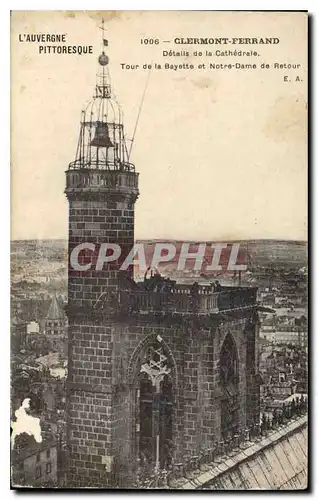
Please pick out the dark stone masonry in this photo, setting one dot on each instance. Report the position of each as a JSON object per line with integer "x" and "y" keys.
{"x": 204, "y": 340}
{"x": 156, "y": 369}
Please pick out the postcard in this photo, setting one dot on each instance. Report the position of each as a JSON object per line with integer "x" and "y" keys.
{"x": 159, "y": 320}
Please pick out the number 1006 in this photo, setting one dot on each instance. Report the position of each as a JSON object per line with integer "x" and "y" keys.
{"x": 149, "y": 41}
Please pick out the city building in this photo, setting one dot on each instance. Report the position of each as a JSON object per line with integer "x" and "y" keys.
{"x": 35, "y": 464}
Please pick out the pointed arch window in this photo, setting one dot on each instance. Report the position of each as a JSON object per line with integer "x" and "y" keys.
{"x": 155, "y": 405}
{"x": 229, "y": 382}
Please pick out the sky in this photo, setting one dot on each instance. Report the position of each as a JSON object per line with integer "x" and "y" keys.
{"x": 222, "y": 155}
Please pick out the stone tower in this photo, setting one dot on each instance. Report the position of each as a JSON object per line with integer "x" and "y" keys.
{"x": 55, "y": 325}
{"x": 159, "y": 373}
{"x": 101, "y": 187}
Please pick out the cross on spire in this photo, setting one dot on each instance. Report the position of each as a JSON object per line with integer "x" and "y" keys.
{"x": 103, "y": 29}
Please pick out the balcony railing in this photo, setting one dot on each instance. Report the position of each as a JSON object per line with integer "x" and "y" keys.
{"x": 186, "y": 300}
{"x": 101, "y": 179}
{"x": 182, "y": 472}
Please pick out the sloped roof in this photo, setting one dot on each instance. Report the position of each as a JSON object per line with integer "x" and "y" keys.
{"x": 55, "y": 310}
{"x": 49, "y": 360}
{"x": 277, "y": 462}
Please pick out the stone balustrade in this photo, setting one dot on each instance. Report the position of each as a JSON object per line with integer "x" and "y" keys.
{"x": 179, "y": 472}
{"x": 181, "y": 299}
{"x": 98, "y": 179}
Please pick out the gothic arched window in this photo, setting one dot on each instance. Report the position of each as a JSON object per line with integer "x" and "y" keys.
{"x": 228, "y": 362}
{"x": 229, "y": 379}
{"x": 155, "y": 404}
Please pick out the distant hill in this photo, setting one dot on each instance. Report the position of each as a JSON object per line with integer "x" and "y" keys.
{"x": 259, "y": 252}
{"x": 264, "y": 252}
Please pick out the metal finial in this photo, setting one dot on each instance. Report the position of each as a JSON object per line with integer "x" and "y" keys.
{"x": 103, "y": 58}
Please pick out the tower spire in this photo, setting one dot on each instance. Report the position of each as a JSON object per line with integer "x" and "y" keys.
{"x": 104, "y": 40}
{"x": 103, "y": 86}
{"x": 102, "y": 143}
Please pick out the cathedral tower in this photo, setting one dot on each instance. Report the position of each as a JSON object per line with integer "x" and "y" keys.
{"x": 101, "y": 187}
{"x": 159, "y": 373}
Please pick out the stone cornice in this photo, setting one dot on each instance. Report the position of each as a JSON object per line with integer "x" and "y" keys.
{"x": 99, "y": 316}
